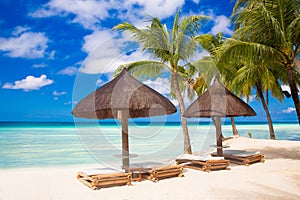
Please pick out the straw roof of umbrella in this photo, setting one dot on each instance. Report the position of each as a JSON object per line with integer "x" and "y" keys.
{"x": 218, "y": 101}
{"x": 123, "y": 93}
{"x": 124, "y": 97}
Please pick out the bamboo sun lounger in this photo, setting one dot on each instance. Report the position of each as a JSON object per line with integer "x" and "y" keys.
{"x": 242, "y": 157}
{"x": 103, "y": 177}
{"x": 202, "y": 163}
{"x": 155, "y": 171}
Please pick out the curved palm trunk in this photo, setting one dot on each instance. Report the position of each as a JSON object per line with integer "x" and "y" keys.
{"x": 297, "y": 63}
{"x": 294, "y": 90}
{"x": 234, "y": 129}
{"x": 219, "y": 136}
{"x": 186, "y": 137}
{"x": 263, "y": 101}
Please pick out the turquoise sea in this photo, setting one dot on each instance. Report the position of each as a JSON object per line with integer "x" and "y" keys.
{"x": 69, "y": 144}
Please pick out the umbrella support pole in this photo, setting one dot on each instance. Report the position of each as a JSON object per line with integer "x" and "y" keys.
{"x": 125, "y": 146}
{"x": 219, "y": 136}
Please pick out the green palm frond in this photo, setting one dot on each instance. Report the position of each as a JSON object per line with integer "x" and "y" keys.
{"x": 244, "y": 81}
{"x": 207, "y": 42}
{"x": 142, "y": 69}
{"x": 191, "y": 24}
{"x": 175, "y": 27}
{"x": 248, "y": 76}
{"x": 185, "y": 47}
{"x": 247, "y": 53}
{"x": 240, "y": 4}
{"x": 182, "y": 71}
{"x": 173, "y": 49}
{"x": 210, "y": 43}
{"x": 153, "y": 38}
{"x": 167, "y": 46}
{"x": 293, "y": 31}
{"x": 268, "y": 22}
{"x": 159, "y": 45}
{"x": 204, "y": 65}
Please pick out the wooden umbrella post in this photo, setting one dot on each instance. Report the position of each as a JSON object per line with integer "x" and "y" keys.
{"x": 122, "y": 98}
{"x": 219, "y": 136}
{"x": 125, "y": 146}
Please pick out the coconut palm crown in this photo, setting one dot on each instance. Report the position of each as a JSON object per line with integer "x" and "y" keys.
{"x": 267, "y": 33}
{"x": 171, "y": 50}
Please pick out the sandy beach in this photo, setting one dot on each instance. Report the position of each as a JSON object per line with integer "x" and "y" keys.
{"x": 277, "y": 178}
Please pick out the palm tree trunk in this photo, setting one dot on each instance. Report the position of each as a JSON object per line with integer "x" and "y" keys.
{"x": 294, "y": 90}
{"x": 219, "y": 134}
{"x": 297, "y": 63}
{"x": 263, "y": 101}
{"x": 267, "y": 97}
{"x": 234, "y": 129}
{"x": 186, "y": 137}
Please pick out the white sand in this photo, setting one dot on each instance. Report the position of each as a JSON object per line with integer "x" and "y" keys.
{"x": 277, "y": 178}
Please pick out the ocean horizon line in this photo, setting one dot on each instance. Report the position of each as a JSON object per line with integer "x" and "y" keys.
{"x": 175, "y": 123}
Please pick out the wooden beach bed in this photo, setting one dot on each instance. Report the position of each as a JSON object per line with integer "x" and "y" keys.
{"x": 154, "y": 171}
{"x": 203, "y": 163}
{"x": 157, "y": 173}
{"x": 103, "y": 177}
{"x": 242, "y": 157}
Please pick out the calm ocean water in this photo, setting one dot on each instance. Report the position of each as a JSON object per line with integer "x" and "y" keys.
{"x": 56, "y": 144}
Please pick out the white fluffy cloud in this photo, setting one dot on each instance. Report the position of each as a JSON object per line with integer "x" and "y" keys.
{"x": 70, "y": 71}
{"x": 155, "y": 8}
{"x": 102, "y": 49}
{"x": 106, "y": 53}
{"x": 87, "y": 13}
{"x": 19, "y": 30}
{"x": 90, "y": 13}
{"x": 24, "y": 44}
{"x": 29, "y": 83}
{"x": 289, "y": 110}
{"x": 105, "y": 62}
{"x": 95, "y": 39}
{"x": 221, "y": 24}
{"x": 161, "y": 85}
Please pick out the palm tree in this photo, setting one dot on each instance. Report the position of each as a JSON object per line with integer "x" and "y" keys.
{"x": 170, "y": 49}
{"x": 262, "y": 78}
{"x": 211, "y": 44}
{"x": 267, "y": 33}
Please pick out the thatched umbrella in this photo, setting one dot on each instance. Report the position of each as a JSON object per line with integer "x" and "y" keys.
{"x": 122, "y": 98}
{"x": 218, "y": 102}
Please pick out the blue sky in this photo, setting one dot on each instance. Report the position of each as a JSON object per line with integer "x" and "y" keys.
{"x": 53, "y": 53}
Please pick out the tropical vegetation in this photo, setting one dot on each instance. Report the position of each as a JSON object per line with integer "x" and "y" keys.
{"x": 171, "y": 51}
{"x": 213, "y": 68}
{"x": 262, "y": 54}
{"x": 266, "y": 42}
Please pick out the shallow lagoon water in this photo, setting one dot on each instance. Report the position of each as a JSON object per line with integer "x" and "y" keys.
{"x": 57, "y": 144}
